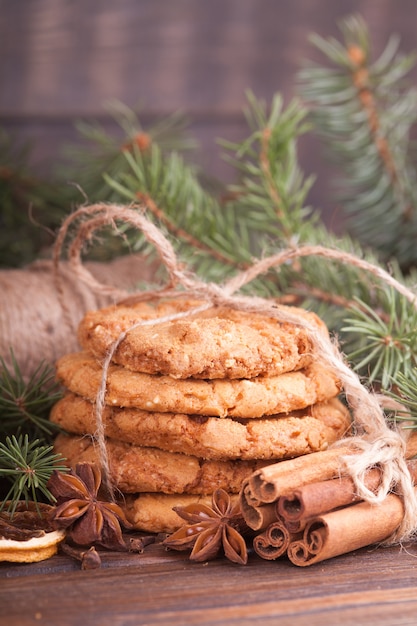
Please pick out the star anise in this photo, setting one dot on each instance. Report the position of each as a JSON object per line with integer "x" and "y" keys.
{"x": 209, "y": 529}
{"x": 87, "y": 519}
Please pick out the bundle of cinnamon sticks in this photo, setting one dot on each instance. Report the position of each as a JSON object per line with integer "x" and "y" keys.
{"x": 308, "y": 509}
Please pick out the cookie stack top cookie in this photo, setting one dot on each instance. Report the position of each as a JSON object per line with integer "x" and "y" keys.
{"x": 214, "y": 344}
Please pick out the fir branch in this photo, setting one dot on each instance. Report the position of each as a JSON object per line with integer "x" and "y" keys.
{"x": 364, "y": 112}
{"x": 104, "y": 151}
{"x": 25, "y": 404}
{"x": 182, "y": 234}
{"x": 214, "y": 237}
{"x": 214, "y": 241}
{"x": 272, "y": 189}
{"x": 386, "y": 341}
{"x": 28, "y": 465}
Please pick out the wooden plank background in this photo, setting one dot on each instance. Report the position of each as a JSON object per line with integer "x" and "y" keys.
{"x": 369, "y": 587}
{"x": 62, "y": 60}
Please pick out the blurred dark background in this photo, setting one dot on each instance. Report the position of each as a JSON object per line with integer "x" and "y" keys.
{"x": 63, "y": 59}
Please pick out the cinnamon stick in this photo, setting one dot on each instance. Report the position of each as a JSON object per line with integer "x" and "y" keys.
{"x": 274, "y": 541}
{"x": 321, "y": 497}
{"x": 256, "y": 515}
{"x": 280, "y": 479}
{"x": 324, "y": 496}
{"x": 345, "y": 530}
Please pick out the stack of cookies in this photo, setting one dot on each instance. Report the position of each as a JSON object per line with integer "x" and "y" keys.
{"x": 195, "y": 403}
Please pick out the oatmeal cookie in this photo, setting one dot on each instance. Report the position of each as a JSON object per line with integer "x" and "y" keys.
{"x": 153, "y": 512}
{"x": 138, "y": 469}
{"x": 248, "y": 398}
{"x": 279, "y": 437}
{"x": 217, "y": 343}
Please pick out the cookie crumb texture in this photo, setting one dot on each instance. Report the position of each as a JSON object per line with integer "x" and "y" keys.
{"x": 245, "y": 398}
{"x": 138, "y": 469}
{"x": 274, "y": 438}
{"x": 218, "y": 343}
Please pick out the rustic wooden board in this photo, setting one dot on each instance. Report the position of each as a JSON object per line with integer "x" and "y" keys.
{"x": 63, "y": 59}
{"x": 370, "y": 587}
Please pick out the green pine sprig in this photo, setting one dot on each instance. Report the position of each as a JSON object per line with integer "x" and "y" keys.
{"x": 212, "y": 238}
{"x": 384, "y": 340}
{"x": 27, "y": 465}
{"x": 102, "y": 150}
{"x": 25, "y": 404}
{"x": 272, "y": 189}
{"x": 218, "y": 236}
{"x": 102, "y": 154}
{"x": 364, "y": 111}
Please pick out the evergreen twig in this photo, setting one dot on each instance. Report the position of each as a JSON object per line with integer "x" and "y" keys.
{"x": 385, "y": 341}
{"x": 25, "y": 404}
{"x": 364, "y": 112}
{"x": 105, "y": 150}
{"x": 28, "y": 465}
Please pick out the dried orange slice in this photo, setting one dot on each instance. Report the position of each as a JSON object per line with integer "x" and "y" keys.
{"x": 31, "y": 537}
{"x": 31, "y": 550}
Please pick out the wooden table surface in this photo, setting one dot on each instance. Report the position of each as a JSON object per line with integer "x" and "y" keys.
{"x": 366, "y": 587}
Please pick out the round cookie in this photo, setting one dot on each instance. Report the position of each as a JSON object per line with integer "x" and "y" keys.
{"x": 216, "y": 343}
{"x": 153, "y": 512}
{"x": 136, "y": 469}
{"x": 248, "y": 398}
{"x": 279, "y": 437}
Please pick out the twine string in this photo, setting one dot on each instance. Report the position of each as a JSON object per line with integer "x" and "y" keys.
{"x": 377, "y": 443}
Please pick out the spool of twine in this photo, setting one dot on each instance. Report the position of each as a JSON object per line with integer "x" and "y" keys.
{"x": 31, "y": 314}
{"x": 377, "y": 442}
